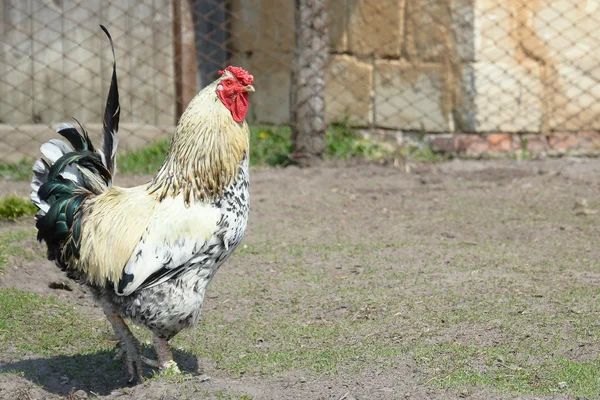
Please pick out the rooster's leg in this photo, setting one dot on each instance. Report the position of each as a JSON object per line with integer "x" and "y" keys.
{"x": 129, "y": 343}
{"x": 165, "y": 356}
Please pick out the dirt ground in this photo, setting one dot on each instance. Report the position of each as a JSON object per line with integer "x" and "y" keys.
{"x": 419, "y": 280}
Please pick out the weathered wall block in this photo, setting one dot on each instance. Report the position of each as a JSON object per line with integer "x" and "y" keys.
{"x": 267, "y": 25}
{"x": 338, "y": 25}
{"x": 272, "y": 102}
{"x": 348, "y": 91}
{"x": 573, "y": 95}
{"x": 439, "y": 29}
{"x": 499, "y": 97}
{"x": 375, "y": 27}
{"x": 441, "y": 142}
{"x": 562, "y": 29}
{"x": 462, "y": 27}
{"x": 409, "y": 96}
{"x": 584, "y": 143}
{"x": 495, "y": 39}
{"x": 561, "y": 37}
{"x": 474, "y": 145}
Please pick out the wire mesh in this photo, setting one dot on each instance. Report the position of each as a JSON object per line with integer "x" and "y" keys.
{"x": 417, "y": 66}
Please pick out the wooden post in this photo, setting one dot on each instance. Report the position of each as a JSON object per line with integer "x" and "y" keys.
{"x": 189, "y": 62}
{"x": 178, "y": 66}
{"x": 308, "y": 82}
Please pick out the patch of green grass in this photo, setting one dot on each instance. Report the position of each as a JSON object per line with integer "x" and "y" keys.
{"x": 342, "y": 143}
{"x": 30, "y": 323}
{"x": 11, "y": 246}
{"x": 422, "y": 153}
{"x": 146, "y": 160}
{"x": 508, "y": 369}
{"x": 13, "y": 206}
{"x": 65, "y": 340}
{"x": 270, "y": 145}
{"x": 259, "y": 346}
{"x": 223, "y": 395}
{"x": 281, "y": 332}
{"x": 19, "y": 171}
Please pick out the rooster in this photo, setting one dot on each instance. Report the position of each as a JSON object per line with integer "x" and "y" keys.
{"x": 149, "y": 252}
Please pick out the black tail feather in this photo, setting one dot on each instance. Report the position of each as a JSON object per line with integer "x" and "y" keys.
{"x": 86, "y": 137}
{"x": 80, "y": 142}
{"x": 112, "y": 113}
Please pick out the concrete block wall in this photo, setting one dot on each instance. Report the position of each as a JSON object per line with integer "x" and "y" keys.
{"x": 489, "y": 74}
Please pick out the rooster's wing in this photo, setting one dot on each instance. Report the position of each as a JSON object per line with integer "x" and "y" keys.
{"x": 175, "y": 238}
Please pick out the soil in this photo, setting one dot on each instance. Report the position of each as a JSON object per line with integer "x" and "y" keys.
{"x": 346, "y": 203}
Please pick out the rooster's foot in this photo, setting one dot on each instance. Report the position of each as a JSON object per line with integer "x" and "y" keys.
{"x": 133, "y": 359}
{"x": 129, "y": 345}
{"x": 165, "y": 362}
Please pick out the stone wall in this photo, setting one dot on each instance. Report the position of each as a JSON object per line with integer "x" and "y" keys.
{"x": 469, "y": 74}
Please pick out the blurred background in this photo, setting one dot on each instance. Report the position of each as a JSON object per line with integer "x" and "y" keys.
{"x": 470, "y": 77}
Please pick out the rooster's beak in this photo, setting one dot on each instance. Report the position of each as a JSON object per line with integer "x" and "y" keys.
{"x": 248, "y": 88}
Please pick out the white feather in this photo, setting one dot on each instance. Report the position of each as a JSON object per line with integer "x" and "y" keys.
{"x": 113, "y": 150}
{"x": 39, "y": 167}
{"x": 102, "y": 157}
{"x": 51, "y": 151}
{"x": 115, "y": 140}
{"x": 36, "y": 183}
{"x": 42, "y": 205}
{"x": 72, "y": 173}
{"x": 35, "y": 197}
{"x": 64, "y": 147}
{"x": 64, "y": 126}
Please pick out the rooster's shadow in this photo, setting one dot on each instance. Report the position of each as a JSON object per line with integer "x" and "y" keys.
{"x": 98, "y": 372}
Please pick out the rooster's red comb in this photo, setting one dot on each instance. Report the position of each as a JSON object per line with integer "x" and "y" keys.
{"x": 240, "y": 73}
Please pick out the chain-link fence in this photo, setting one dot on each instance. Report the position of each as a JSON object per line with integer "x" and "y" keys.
{"x": 416, "y": 66}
